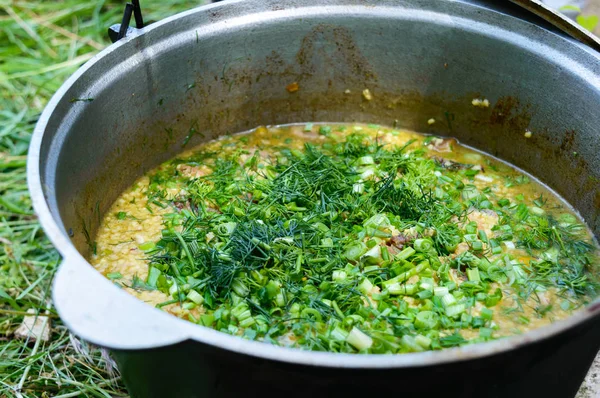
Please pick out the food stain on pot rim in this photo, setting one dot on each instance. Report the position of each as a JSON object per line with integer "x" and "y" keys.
{"x": 348, "y": 238}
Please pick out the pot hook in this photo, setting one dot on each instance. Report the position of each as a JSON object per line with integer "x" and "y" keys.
{"x": 118, "y": 31}
{"x": 561, "y": 22}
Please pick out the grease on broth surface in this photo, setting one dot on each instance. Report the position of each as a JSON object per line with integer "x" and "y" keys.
{"x": 348, "y": 238}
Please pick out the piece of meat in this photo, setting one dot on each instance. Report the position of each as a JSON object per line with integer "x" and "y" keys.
{"x": 189, "y": 171}
{"x": 396, "y": 243}
{"x": 450, "y": 164}
{"x": 457, "y": 277}
{"x": 485, "y": 220}
{"x": 181, "y": 205}
{"x": 298, "y": 131}
{"x": 441, "y": 144}
{"x": 460, "y": 249}
{"x": 399, "y": 241}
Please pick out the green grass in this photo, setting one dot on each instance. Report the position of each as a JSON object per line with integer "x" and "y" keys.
{"x": 41, "y": 44}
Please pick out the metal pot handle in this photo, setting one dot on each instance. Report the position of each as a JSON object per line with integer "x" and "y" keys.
{"x": 104, "y": 314}
{"x": 118, "y": 31}
{"x": 561, "y": 22}
{"x": 549, "y": 15}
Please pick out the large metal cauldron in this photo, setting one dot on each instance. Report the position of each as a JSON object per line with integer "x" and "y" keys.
{"x": 224, "y": 68}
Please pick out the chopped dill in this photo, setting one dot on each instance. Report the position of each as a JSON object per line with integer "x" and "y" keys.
{"x": 347, "y": 243}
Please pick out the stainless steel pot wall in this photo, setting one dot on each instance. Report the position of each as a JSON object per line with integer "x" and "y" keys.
{"x": 224, "y": 68}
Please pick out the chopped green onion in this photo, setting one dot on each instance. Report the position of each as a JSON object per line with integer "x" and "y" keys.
{"x": 406, "y": 275}
{"x": 280, "y": 299}
{"x": 207, "y": 319}
{"x": 359, "y": 340}
{"x": 423, "y": 341}
{"x": 405, "y": 253}
{"x": 240, "y": 288}
{"x": 337, "y": 310}
{"x": 470, "y": 192}
{"x": 537, "y": 211}
{"x": 325, "y": 130}
{"x": 487, "y": 314}
{"x": 338, "y": 275}
{"x": 494, "y": 298}
{"x": 168, "y": 302}
{"x": 423, "y": 245}
{"x": 477, "y": 245}
{"x": 174, "y": 290}
{"x": 426, "y": 320}
{"x": 371, "y": 268}
{"x": 366, "y": 160}
{"x": 153, "y": 275}
{"x": 355, "y": 251}
{"x": 471, "y": 228}
{"x": 482, "y": 235}
{"x": 454, "y": 309}
{"x": 385, "y": 255}
{"x": 272, "y": 289}
{"x": 326, "y": 242}
{"x": 473, "y": 274}
{"x": 567, "y": 218}
{"x": 114, "y": 275}
{"x": 338, "y": 334}
{"x": 372, "y": 256}
{"x": 241, "y": 311}
{"x": 195, "y": 297}
{"x": 247, "y": 322}
{"x": 470, "y": 238}
{"x": 410, "y": 344}
{"x": 426, "y": 284}
{"x": 448, "y": 300}
{"x": 358, "y": 187}
{"x": 226, "y": 229}
{"x": 311, "y": 313}
{"x": 406, "y": 289}
{"x": 365, "y": 286}
{"x": 485, "y": 332}
{"x": 503, "y": 202}
{"x": 497, "y": 274}
{"x": 147, "y": 246}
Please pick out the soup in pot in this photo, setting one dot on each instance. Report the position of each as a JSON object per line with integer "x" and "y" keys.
{"x": 348, "y": 238}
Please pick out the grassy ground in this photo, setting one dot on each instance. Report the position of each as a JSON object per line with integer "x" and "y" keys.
{"x": 41, "y": 44}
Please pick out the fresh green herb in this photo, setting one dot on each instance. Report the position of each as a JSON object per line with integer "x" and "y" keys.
{"x": 349, "y": 245}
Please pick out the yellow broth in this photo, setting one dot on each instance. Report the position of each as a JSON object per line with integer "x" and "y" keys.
{"x": 134, "y": 224}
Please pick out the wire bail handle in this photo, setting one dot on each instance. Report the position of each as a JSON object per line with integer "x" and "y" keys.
{"x": 119, "y": 31}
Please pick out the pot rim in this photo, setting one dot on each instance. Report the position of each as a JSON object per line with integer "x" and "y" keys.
{"x": 184, "y": 330}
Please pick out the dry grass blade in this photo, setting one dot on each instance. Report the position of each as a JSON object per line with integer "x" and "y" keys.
{"x": 62, "y": 31}
{"x": 32, "y": 33}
